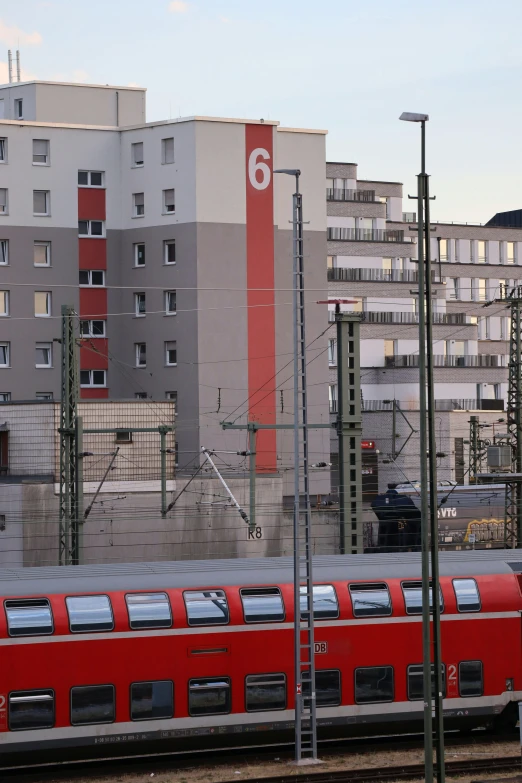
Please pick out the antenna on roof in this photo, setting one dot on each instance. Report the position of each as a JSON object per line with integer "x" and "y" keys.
{"x": 18, "y": 65}
{"x": 10, "y": 65}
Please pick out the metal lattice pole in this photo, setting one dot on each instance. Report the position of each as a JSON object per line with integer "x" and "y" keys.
{"x": 68, "y": 553}
{"x": 513, "y": 527}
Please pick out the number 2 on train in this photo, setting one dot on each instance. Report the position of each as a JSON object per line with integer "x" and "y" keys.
{"x": 452, "y": 685}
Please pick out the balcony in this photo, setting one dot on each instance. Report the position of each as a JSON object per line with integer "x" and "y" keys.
{"x": 336, "y": 234}
{"x": 409, "y": 217}
{"x": 362, "y": 275}
{"x": 412, "y": 360}
{"x": 413, "y": 405}
{"x": 345, "y": 194}
{"x": 451, "y": 319}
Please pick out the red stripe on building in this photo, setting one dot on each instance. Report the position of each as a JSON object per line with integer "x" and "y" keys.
{"x": 260, "y": 275}
{"x": 94, "y": 394}
{"x": 93, "y": 353}
{"x": 93, "y": 303}
{"x": 91, "y": 204}
{"x": 92, "y": 253}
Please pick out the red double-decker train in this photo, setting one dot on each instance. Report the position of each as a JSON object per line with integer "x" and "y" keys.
{"x": 134, "y": 658}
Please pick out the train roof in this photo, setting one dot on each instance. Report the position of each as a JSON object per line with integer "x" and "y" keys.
{"x": 246, "y": 571}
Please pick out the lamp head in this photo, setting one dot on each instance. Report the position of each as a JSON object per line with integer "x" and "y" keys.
{"x": 291, "y": 172}
{"x": 409, "y": 116}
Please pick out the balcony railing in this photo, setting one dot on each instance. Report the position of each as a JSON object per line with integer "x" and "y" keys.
{"x": 413, "y": 405}
{"x": 439, "y": 360}
{"x": 452, "y": 319}
{"x": 342, "y": 274}
{"x": 346, "y": 194}
{"x": 409, "y": 217}
{"x": 337, "y": 234}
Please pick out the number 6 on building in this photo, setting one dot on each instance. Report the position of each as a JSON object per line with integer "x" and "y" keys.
{"x": 255, "y": 165}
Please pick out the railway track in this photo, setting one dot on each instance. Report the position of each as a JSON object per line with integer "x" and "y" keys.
{"x": 177, "y": 761}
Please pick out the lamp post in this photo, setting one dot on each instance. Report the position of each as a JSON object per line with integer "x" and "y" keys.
{"x": 304, "y": 648}
{"x": 428, "y": 473}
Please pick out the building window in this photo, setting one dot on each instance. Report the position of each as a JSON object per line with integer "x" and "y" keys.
{"x": 170, "y": 303}
{"x": 171, "y": 354}
{"x": 44, "y": 355}
{"x": 139, "y": 305}
{"x": 139, "y": 254}
{"x": 140, "y": 395}
{"x": 91, "y": 228}
{"x": 4, "y": 252}
{"x": 19, "y": 109}
{"x": 332, "y": 393}
{"x": 123, "y": 436}
{"x": 93, "y": 378}
{"x": 3, "y": 150}
{"x": 332, "y": 352}
{"x": 443, "y": 250}
{"x": 169, "y": 251}
{"x": 31, "y": 710}
{"x": 480, "y": 289}
{"x": 91, "y": 179}
{"x": 41, "y": 152}
{"x": 3, "y": 201}
{"x": 43, "y": 396}
{"x": 92, "y": 704}
{"x": 42, "y": 253}
{"x": 138, "y": 204}
{"x": 141, "y": 354}
{"x": 137, "y": 153}
{"x": 42, "y": 304}
{"x": 454, "y": 292}
{"x": 481, "y": 251}
{"x": 92, "y": 328}
{"x": 168, "y": 201}
{"x": 167, "y": 150}
{"x": 457, "y": 250}
{"x": 5, "y": 354}
{"x": 92, "y": 277}
{"x": 41, "y": 202}
{"x": 5, "y": 396}
{"x": 4, "y": 304}
{"x": 152, "y": 700}
{"x": 510, "y": 252}
{"x": 173, "y": 397}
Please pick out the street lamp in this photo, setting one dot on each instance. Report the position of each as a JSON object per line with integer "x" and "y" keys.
{"x": 304, "y": 652}
{"x": 428, "y": 473}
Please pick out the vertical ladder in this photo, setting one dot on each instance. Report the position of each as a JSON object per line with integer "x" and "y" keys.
{"x": 305, "y": 702}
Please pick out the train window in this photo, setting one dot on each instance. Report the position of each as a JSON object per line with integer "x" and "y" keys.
{"x": 89, "y": 613}
{"x": 327, "y": 687}
{"x": 265, "y": 692}
{"x": 374, "y": 684}
{"x": 471, "y": 680}
{"x": 263, "y": 605}
{"x": 29, "y": 617}
{"x": 148, "y": 610}
{"x": 324, "y": 600}
{"x": 206, "y": 607}
{"x": 209, "y": 696}
{"x": 467, "y": 594}
{"x": 370, "y": 600}
{"x": 412, "y": 592}
{"x": 152, "y": 700}
{"x": 416, "y": 682}
{"x": 92, "y": 704}
{"x": 31, "y": 710}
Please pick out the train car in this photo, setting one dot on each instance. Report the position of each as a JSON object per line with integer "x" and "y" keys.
{"x": 470, "y": 516}
{"x": 136, "y": 658}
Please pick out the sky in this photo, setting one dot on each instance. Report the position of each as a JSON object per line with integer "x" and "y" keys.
{"x": 350, "y": 67}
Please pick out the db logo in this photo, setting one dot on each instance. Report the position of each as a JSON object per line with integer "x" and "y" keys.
{"x": 320, "y": 647}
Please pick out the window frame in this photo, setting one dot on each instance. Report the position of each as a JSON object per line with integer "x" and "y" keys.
{"x": 47, "y": 245}
{"x": 47, "y": 396}
{"x": 92, "y": 385}
{"x": 19, "y": 108}
{"x": 4, "y": 146}
{"x": 148, "y": 627}
{"x": 260, "y": 590}
{"x": 134, "y": 163}
{"x": 89, "y": 233}
{"x": 90, "y": 284}
{"x": 92, "y": 723}
{"x": 167, "y": 343}
{"x": 165, "y": 207}
{"x": 227, "y": 680}
{"x": 90, "y": 595}
{"x": 318, "y": 618}
{"x": 4, "y": 243}
{"x": 44, "y": 346}
{"x": 166, "y": 244}
{"x": 90, "y": 332}
{"x": 137, "y": 300}
{"x": 466, "y": 579}
{"x": 89, "y": 179}
{"x": 191, "y": 623}
{"x": 373, "y": 701}
{"x": 340, "y": 692}
{"x": 47, "y": 161}
{"x": 47, "y": 194}
{"x": 4, "y": 208}
{"x": 153, "y": 717}
{"x": 140, "y": 348}
{"x": 357, "y": 586}
{"x": 36, "y": 692}
{"x": 476, "y": 695}
{"x": 420, "y": 666}
{"x": 6, "y": 303}
{"x": 136, "y": 206}
{"x": 136, "y": 253}
{"x": 418, "y": 582}
{"x": 7, "y": 346}
{"x": 265, "y": 674}
{"x": 5, "y": 396}
{"x": 167, "y": 293}
{"x": 44, "y": 601}
{"x": 164, "y": 161}
{"x": 49, "y": 304}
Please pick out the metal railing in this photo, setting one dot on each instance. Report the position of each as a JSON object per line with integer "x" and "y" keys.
{"x": 347, "y": 194}
{"x": 439, "y": 360}
{"x": 335, "y": 233}
{"x": 413, "y": 405}
{"x": 360, "y": 274}
{"x": 452, "y": 319}
{"x": 409, "y": 217}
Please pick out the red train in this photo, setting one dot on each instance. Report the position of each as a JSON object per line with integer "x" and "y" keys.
{"x": 99, "y": 660}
